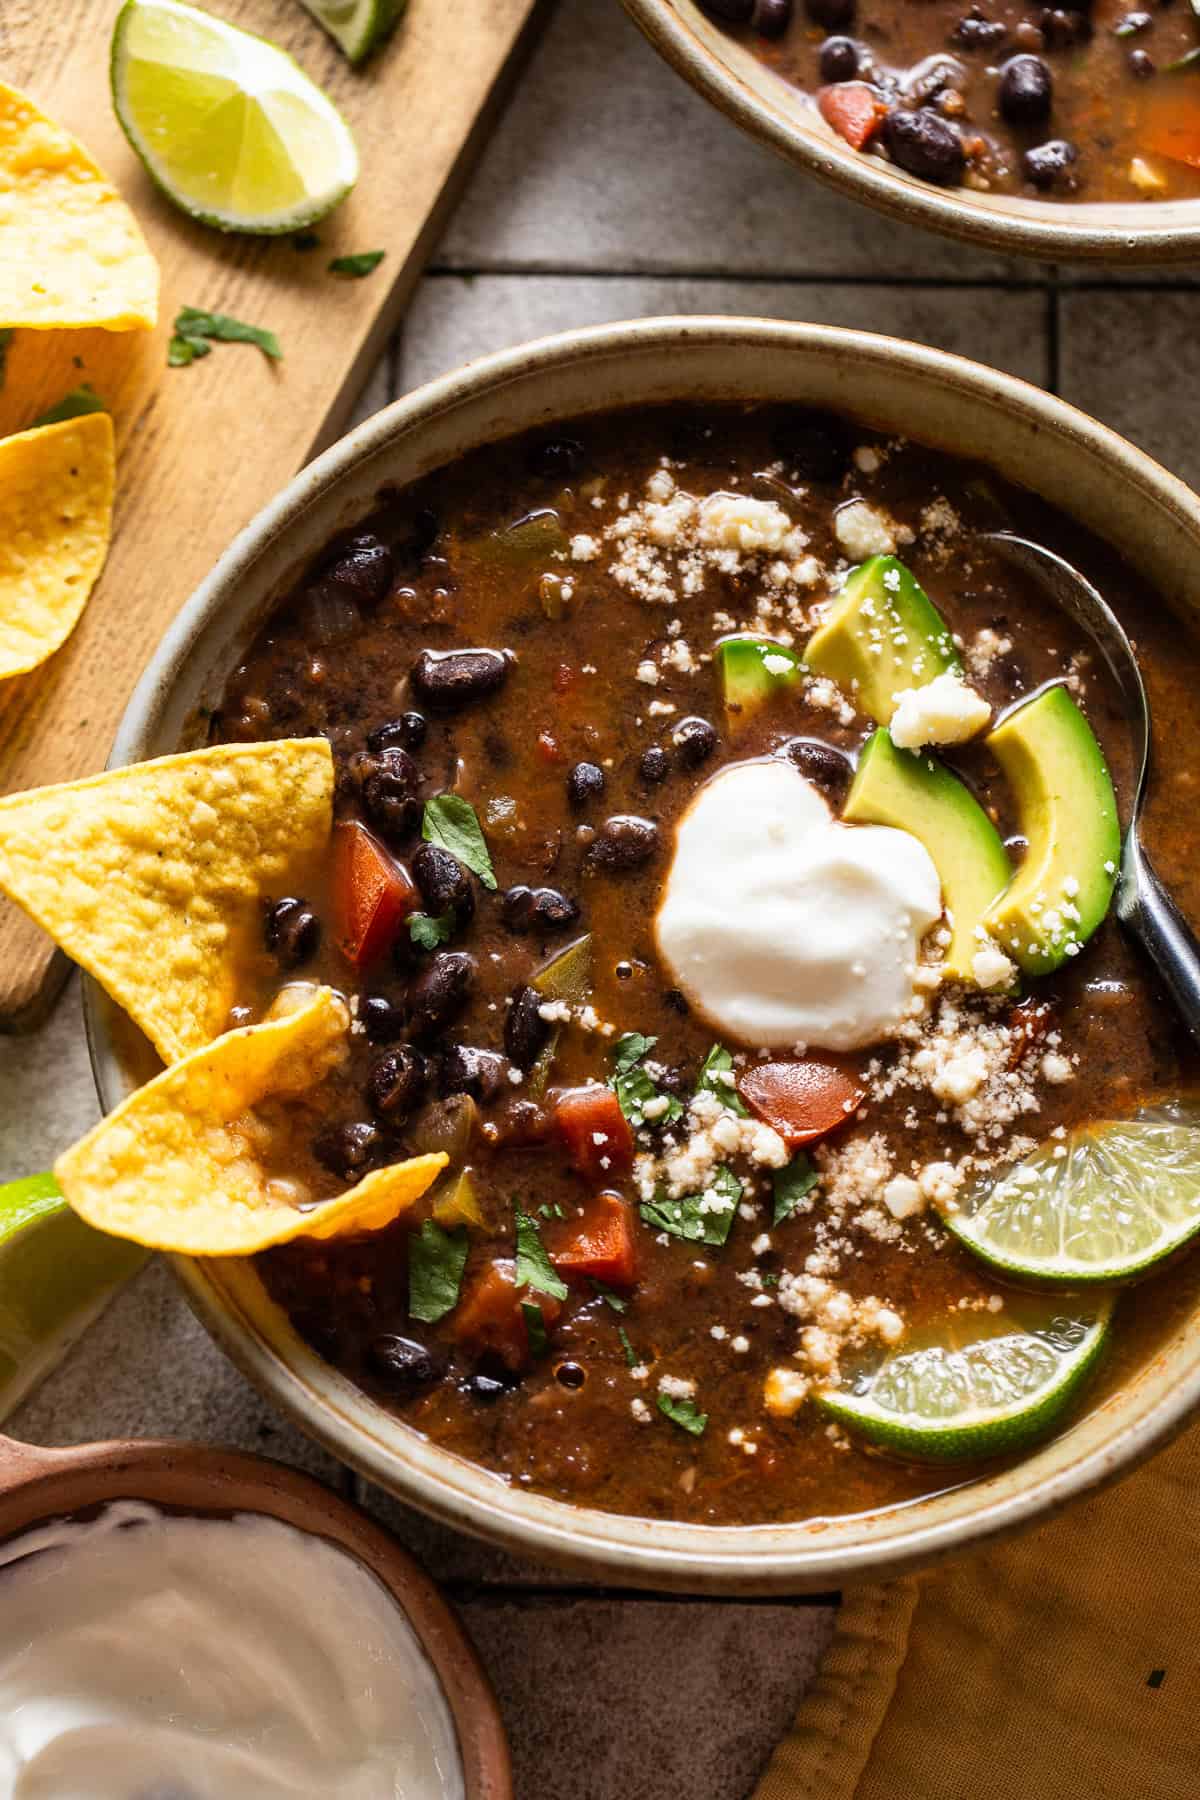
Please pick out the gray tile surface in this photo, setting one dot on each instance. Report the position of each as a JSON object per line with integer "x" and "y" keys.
{"x": 1132, "y": 358}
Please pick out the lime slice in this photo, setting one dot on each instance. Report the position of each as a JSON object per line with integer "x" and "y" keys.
{"x": 226, "y": 124}
{"x": 1122, "y": 1197}
{"x": 356, "y": 26}
{"x": 1005, "y": 1382}
{"x": 56, "y": 1275}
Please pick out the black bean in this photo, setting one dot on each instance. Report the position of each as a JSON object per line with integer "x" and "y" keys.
{"x": 466, "y": 1069}
{"x": 537, "y": 909}
{"x": 347, "y": 1149}
{"x": 976, "y": 33}
{"x": 832, "y": 15}
{"x": 695, "y": 740}
{"x": 771, "y": 18}
{"x": 556, "y": 458}
{"x": 452, "y": 678}
{"x": 1133, "y": 22}
{"x": 1141, "y": 66}
{"x": 585, "y": 782}
{"x": 396, "y": 1083}
{"x": 292, "y": 931}
{"x": 440, "y": 990}
{"x": 382, "y": 1019}
{"x": 728, "y": 12}
{"x": 485, "y": 1388}
{"x": 570, "y": 1375}
{"x": 390, "y": 783}
{"x": 423, "y": 536}
{"x": 1051, "y": 164}
{"x": 622, "y": 842}
{"x": 403, "y": 1365}
{"x": 824, "y": 766}
{"x": 405, "y": 733}
{"x": 926, "y": 145}
{"x": 523, "y": 1122}
{"x": 445, "y": 885}
{"x": 816, "y": 444}
{"x": 676, "y": 999}
{"x": 654, "y": 765}
{"x": 1026, "y": 91}
{"x": 1062, "y": 27}
{"x": 526, "y": 1033}
{"x": 839, "y": 59}
{"x": 363, "y": 570}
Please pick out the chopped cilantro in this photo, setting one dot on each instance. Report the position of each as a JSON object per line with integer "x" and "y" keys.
{"x": 684, "y": 1413}
{"x": 684, "y": 1219}
{"x": 6, "y": 337}
{"x": 306, "y": 240}
{"x": 451, "y": 822}
{"x": 75, "y": 405}
{"x": 771, "y": 1280}
{"x": 631, "y": 1355}
{"x": 436, "y": 1260}
{"x": 194, "y": 327}
{"x": 534, "y": 1268}
{"x": 356, "y": 266}
{"x": 717, "y": 1064}
{"x": 633, "y": 1087}
{"x": 605, "y": 1293}
{"x": 428, "y": 932}
{"x": 790, "y": 1185}
{"x": 535, "y": 1325}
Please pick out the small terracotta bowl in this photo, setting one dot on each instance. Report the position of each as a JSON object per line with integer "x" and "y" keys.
{"x": 38, "y": 1485}
{"x": 762, "y": 103}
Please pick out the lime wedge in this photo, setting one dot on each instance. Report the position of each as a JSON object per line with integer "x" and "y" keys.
{"x": 356, "y": 26}
{"x": 1120, "y": 1198}
{"x": 1004, "y": 1382}
{"x": 56, "y": 1275}
{"x": 227, "y": 125}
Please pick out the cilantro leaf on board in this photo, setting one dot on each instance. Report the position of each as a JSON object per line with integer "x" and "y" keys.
{"x": 354, "y": 267}
{"x": 194, "y": 328}
{"x": 633, "y": 1086}
{"x": 451, "y": 821}
{"x": 80, "y": 401}
{"x": 534, "y": 1268}
{"x": 436, "y": 1260}
{"x": 717, "y": 1064}
{"x": 790, "y": 1185}
{"x": 684, "y": 1218}
{"x": 427, "y": 931}
{"x": 684, "y": 1413}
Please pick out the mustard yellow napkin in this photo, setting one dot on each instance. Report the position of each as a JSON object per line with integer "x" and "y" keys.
{"x": 1062, "y": 1666}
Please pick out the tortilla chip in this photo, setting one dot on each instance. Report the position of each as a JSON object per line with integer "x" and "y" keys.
{"x": 71, "y": 251}
{"x": 152, "y": 877}
{"x": 185, "y": 1163}
{"x": 56, "y": 494}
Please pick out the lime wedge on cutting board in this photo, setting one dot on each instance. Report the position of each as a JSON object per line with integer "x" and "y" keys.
{"x": 1122, "y": 1196}
{"x": 356, "y": 26}
{"x": 992, "y": 1384}
{"x": 226, "y": 123}
{"x": 56, "y": 1276}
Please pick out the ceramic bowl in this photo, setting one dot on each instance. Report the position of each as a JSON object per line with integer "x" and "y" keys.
{"x": 1031, "y": 438}
{"x": 727, "y": 73}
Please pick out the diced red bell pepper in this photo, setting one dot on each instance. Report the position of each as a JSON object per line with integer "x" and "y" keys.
{"x": 801, "y": 1100}
{"x": 853, "y": 110}
{"x": 596, "y": 1132}
{"x": 548, "y": 747}
{"x": 372, "y": 894}
{"x": 489, "y": 1316}
{"x": 602, "y": 1244}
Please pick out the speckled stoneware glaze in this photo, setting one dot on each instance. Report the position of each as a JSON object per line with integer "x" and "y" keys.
{"x": 728, "y": 74}
{"x": 1031, "y": 438}
{"x": 37, "y": 1485}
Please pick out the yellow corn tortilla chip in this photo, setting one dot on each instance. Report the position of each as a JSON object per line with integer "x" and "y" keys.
{"x": 151, "y": 877}
{"x": 56, "y": 495}
{"x": 185, "y": 1163}
{"x": 71, "y": 251}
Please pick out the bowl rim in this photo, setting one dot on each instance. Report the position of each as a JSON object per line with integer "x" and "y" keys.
{"x": 797, "y": 1556}
{"x": 1052, "y": 231}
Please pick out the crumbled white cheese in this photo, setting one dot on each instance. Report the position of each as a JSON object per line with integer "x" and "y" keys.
{"x": 991, "y": 968}
{"x": 584, "y": 548}
{"x": 784, "y": 1392}
{"x": 863, "y": 532}
{"x": 1056, "y": 1069}
{"x": 640, "y": 1410}
{"x": 903, "y": 1197}
{"x": 944, "y": 711}
{"x": 737, "y": 522}
{"x": 676, "y": 1387}
{"x": 647, "y": 672}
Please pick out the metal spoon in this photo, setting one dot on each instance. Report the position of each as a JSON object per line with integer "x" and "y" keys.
{"x": 1143, "y": 905}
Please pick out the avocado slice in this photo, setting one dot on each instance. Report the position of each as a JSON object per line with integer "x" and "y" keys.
{"x": 916, "y": 793}
{"x": 883, "y": 634}
{"x": 751, "y": 671}
{"x": 1068, "y": 817}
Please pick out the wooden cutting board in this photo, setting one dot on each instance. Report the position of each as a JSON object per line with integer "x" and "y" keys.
{"x": 201, "y": 449}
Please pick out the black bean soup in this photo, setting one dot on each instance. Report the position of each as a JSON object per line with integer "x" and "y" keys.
{"x": 516, "y": 665}
{"x": 1096, "y": 101}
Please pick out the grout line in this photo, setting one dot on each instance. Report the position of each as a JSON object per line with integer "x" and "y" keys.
{"x": 749, "y": 278}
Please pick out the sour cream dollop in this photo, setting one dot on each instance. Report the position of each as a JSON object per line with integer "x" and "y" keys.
{"x": 210, "y": 1659}
{"x": 784, "y": 926}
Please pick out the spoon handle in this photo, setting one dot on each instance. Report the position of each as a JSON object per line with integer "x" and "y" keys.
{"x": 1148, "y": 913}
